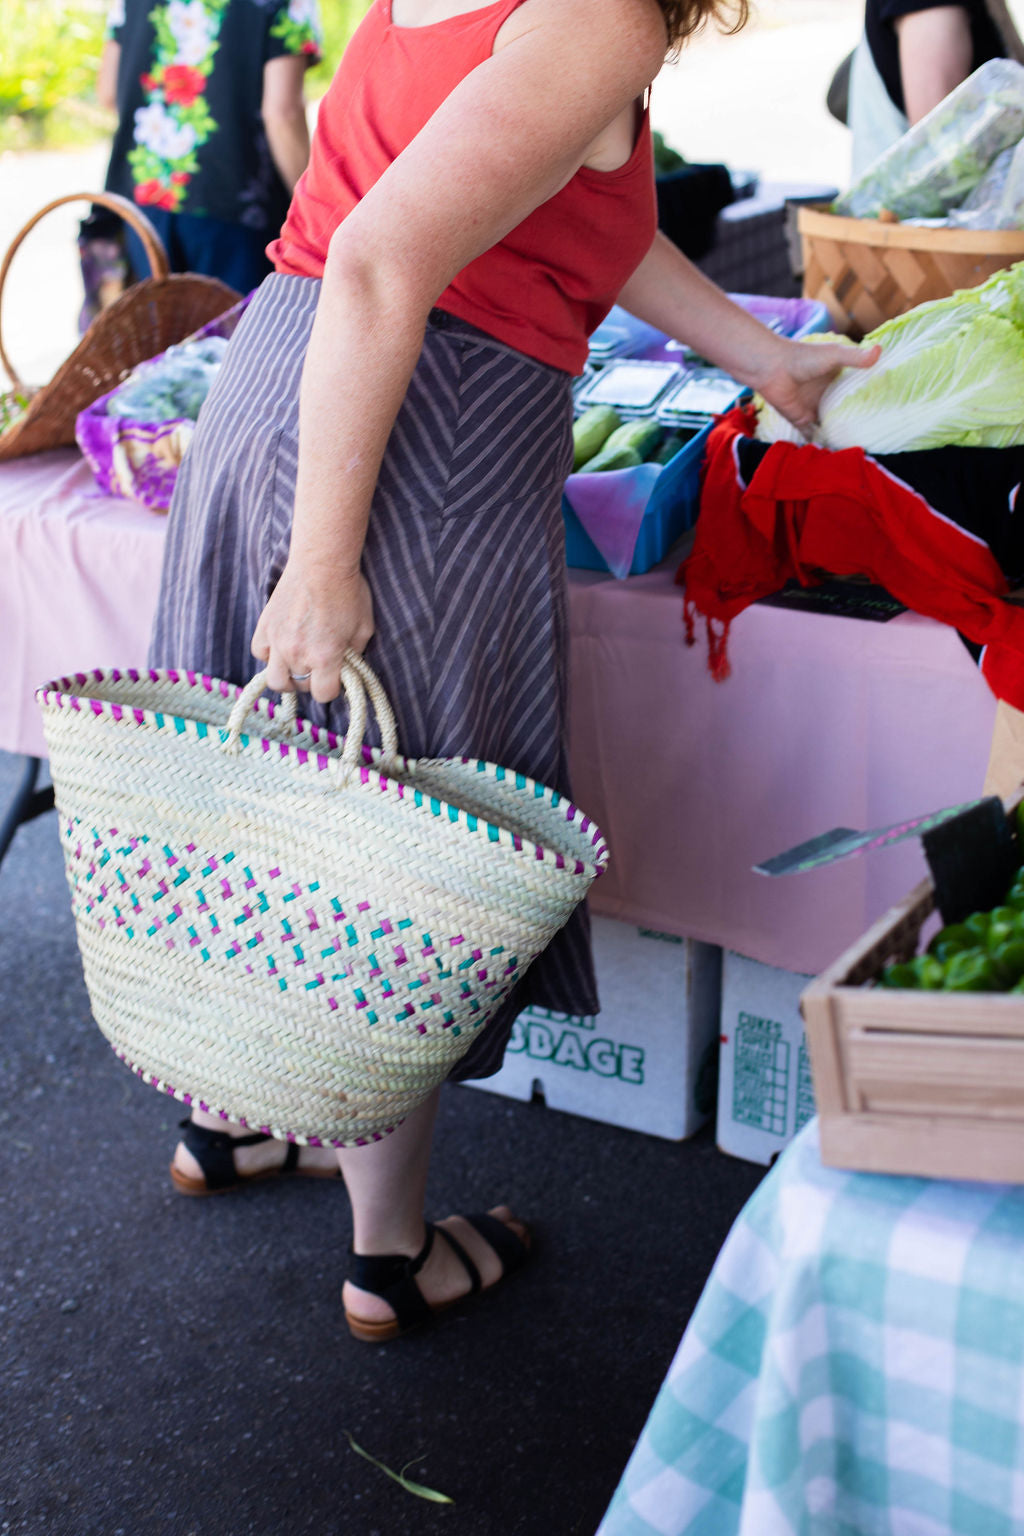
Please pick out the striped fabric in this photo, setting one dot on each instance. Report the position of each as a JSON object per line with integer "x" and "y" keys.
{"x": 464, "y": 556}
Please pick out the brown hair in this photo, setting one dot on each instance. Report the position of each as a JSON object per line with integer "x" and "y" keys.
{"x": 685, "y": 17}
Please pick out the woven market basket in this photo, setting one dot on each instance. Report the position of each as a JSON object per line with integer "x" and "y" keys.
{"x": 865, "y": 271}
{"x": 301, "y": 933}
{"x": 151, "y": 316}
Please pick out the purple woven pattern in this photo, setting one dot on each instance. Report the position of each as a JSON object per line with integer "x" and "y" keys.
{"x": 464, "y": 556}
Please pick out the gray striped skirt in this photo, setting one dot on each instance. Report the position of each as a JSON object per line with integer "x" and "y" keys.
{"x": 464, "y": 557}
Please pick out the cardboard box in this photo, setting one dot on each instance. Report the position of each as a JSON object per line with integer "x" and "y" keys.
{"x": 765, "y": 1092}
{"x": 647, "y": 1060}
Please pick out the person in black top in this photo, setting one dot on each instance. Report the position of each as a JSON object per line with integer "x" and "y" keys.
{"x": 914, "y": 52}
{"x": 211, "y": 134}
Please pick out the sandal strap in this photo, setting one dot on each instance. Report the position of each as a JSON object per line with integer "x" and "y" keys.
{"x": 510, "y": 1248}
{"x": 392, "y": 1277}
{"x": 464, "y": 1259}
{"x": 214, "y": 1151}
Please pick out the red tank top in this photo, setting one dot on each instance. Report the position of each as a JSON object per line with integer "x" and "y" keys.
{"x": 545, "y": 286}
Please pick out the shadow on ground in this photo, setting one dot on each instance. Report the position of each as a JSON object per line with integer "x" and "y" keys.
{"x": 177, "y": 1367}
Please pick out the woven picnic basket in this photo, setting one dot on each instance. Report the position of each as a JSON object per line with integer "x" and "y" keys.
{"x": 293, "y": 930}
{"x": 865, "y": 270}
{"x": 152, "y": 315}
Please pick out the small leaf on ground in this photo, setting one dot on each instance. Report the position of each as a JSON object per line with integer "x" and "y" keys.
{"x": 407, "y": 1483}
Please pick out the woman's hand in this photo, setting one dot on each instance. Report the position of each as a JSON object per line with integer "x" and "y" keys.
{"x": 674, "y": 296}
{"x": 795, "y": 384}
{"x": 313, "y": 617}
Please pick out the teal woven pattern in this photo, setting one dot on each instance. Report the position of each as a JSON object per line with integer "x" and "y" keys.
{"x": 855, "y": 1367}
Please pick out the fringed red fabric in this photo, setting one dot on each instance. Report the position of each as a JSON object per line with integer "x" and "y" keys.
{"x": 807, "y": 513}
{"x": 717, "y": 639}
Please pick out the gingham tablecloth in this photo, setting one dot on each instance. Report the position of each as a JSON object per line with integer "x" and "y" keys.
{"x": 855, "y": 1367}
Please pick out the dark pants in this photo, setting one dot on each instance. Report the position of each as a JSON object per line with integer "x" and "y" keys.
{"x": 212, "y": 247}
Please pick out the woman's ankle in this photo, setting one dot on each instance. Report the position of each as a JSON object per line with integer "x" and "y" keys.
{"x": 381, "y": 1239}
{"x": 216, "y": 1122}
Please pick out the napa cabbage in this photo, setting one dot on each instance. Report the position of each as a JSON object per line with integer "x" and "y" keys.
{"x": 951, "y": 371}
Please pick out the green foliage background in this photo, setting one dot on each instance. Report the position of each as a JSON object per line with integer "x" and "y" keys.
{"x": 48, "y": 55}
{"x": 49, "y": 52}
{"x": 340, "y": 18}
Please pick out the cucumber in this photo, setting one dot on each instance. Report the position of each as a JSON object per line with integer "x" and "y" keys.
{"x": 668, "y": 449}
{"x": 642, "y": 436}
{"x": 612, "y": 458}
{"x": 590, "y": 430}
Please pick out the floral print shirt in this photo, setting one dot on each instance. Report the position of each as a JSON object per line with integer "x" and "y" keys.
{"x": 190, "y": 136}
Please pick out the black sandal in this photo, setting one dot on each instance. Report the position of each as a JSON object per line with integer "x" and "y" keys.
{"x": 392, "y": 1277}
{"x": 214, "y": 1151}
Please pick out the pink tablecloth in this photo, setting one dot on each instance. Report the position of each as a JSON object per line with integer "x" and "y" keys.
{"x": 825, "y": 722}
{"x": 78, "y": 582}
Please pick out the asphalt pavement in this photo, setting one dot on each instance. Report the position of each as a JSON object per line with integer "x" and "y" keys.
{"x": 180, "y": 1367}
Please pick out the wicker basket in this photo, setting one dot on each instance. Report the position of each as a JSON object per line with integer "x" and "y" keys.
{"x": 152, "y": 315}
{"x": 865, "y": 271}
{"x": 299, "y": 933}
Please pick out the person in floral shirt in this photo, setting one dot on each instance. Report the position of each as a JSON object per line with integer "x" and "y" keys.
{"x": 212, "y": 133}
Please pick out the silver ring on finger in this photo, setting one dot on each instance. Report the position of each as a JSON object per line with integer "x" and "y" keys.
{"x": 300, "y": 677}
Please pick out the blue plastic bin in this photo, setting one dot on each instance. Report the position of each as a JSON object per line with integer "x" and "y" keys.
{"x": 670, "y": 510}
{"x": 674, "y": 487}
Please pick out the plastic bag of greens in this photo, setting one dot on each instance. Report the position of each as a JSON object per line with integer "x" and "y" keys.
{"x": 173, "y": 385}
{"x": 136, "y": 436}
{"x": 997, "y": 202}
{"x": 942, "y": 158}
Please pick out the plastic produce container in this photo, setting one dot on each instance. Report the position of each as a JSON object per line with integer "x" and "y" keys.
{"x": 669, "y": 493}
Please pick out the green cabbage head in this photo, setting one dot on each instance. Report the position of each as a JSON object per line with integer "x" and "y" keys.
{"x": 951, "y": 372}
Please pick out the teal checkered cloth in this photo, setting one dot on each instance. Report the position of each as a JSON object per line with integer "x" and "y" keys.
{"x": 855, "y": 1367}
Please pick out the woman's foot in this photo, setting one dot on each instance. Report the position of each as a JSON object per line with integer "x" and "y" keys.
{"x": 462, "y": 1255}
{"x": 216, "y": 1155}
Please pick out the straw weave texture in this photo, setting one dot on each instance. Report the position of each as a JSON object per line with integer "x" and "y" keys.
{"x": 865, "y": 271}
{"x": 299, "y": 935}
{"x": 152, "y": 315}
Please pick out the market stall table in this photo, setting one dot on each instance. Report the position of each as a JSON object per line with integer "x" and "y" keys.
{"x": 855, "y": 1366}
{"x": 825, "y": 721}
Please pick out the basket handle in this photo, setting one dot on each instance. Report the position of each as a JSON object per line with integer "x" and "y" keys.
{"x": 359, "y": 682}
{"x": 153, "y": 246}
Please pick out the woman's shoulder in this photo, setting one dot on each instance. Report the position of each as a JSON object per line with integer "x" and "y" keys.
{"x": 630, "y": 26}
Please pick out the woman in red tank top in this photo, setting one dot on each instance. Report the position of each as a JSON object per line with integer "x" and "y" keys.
{"x": 480, "y": 193}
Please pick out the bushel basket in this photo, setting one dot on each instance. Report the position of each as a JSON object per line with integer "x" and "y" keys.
{"x": 865, "y": 271}
{"x": 296, "y": 931}
{"x": 151, "y": 316}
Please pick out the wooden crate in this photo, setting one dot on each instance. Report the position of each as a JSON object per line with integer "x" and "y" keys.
{"x": 914, "y": 1082}
{"x": 865, "y": 271}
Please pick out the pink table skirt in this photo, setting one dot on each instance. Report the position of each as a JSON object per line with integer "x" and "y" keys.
{"x": 78, "y": 582}
{"x": 825, "y": 722}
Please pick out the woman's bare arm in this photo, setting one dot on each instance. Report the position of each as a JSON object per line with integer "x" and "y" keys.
{"x": 106, "y": 76}
{"x": 284, "y": 115}
{"x": 936, "y": 53}
{"x": 669, "y": 292}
